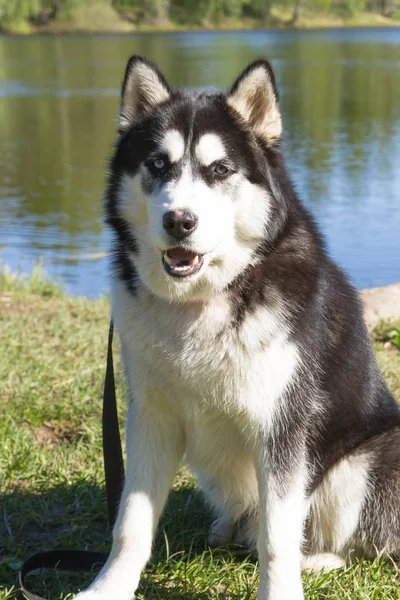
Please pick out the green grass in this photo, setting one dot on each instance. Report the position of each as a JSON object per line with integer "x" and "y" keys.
{"x": 51, "y": 477}
{"x": 386, "y": 336}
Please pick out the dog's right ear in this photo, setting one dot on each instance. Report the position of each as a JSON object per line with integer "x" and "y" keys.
{"x": 143, "y": 88}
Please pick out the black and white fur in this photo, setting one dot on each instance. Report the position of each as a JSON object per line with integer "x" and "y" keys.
{"x": 248, "y": 356}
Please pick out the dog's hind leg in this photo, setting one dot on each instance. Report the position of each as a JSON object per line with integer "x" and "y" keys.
{"x": 234, "y": 523}
{"x": 335, "y": 509}
{"x": 235, "y": 509}
{"x": 325, "y": 561}
{"x": 356, "y": 507}
{"x": 379, "y": 527}
{"x": 232, "y": 496}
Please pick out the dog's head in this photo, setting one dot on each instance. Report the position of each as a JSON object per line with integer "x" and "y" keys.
{"x": 190, "y": 196}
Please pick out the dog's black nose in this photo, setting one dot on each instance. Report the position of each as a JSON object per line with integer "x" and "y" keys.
{"x": 179, "y": 224}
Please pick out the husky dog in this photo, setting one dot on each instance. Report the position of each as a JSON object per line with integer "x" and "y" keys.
{"x": 243, "y": 344}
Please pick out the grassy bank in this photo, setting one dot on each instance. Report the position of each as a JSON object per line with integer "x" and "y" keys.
{"x": 104, "y": 19}
{"x": 51, "y": 478}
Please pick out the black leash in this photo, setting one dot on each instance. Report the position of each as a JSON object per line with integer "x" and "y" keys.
{"x": 112, "y": 449}
{"x": 79, "y": 560}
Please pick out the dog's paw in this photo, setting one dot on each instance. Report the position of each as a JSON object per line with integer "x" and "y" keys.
{"x": 280, "y": 583}
{"x": 322, "y": 562}
{"x": 281, "y": 593}
{"x": 89, "y": 595}
{"x": 93, "y": 595}
{"x": 109, "y": 593}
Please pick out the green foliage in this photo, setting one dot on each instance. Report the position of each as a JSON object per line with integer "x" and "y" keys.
{"x": 88, "y": 15}
{"x": 92, "y": 14}
{"x": 394, "y": 336}
{"x": 18, "y": 10}
{"x": 386, "y": 336}
{"x": 388, "y": 332}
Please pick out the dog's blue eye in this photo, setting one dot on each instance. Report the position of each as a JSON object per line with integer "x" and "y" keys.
{"x": 158, "y": 163}
{"x": 220, "y": 170}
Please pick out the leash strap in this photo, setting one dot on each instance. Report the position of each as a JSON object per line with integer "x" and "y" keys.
{"x": 112, "y": 449}
{"x": 63, "y": 560}
{"x": 79, "y": 560}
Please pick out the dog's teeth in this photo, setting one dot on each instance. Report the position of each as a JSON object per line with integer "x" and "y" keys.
{"x": 172, "y": 262}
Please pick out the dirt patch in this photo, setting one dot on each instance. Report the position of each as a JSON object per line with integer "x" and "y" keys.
{"x": 381, "y": 303}
{"x": 52, "y": 432}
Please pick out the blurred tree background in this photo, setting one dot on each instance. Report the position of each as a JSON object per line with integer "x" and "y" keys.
{"x": 27, "y": 15}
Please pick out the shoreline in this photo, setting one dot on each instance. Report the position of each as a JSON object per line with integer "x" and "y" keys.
{"x": 380, "y": 303}
{"x": 281, "y": 21}
{"x": 151, "y": 30}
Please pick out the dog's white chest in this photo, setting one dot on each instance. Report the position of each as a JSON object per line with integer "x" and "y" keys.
{"x": 200, "y": 359}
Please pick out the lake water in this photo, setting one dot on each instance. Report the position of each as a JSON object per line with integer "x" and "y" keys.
{"x": 340, "y": 97}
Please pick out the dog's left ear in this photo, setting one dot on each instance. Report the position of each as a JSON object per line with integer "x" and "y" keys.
{"x": 144, "y": 87}
{"x": 254, "y": 96}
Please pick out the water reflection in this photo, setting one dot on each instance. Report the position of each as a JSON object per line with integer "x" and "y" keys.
{"x": 341, "y": 103}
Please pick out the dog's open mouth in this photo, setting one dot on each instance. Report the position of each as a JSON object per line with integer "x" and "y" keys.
{"x": 180, "y": 262}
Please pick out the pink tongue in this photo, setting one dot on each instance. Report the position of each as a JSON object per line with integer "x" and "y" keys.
{"x": 180, "y": 254}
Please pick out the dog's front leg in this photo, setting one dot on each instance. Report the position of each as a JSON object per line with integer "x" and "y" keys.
{"x": 282, "y": 509}
{"x": 154, "y": 449}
